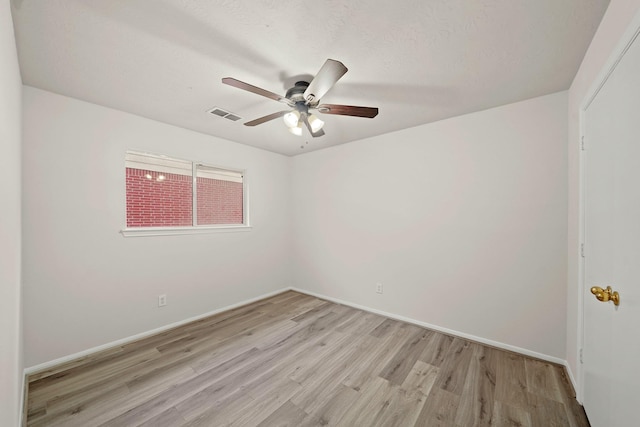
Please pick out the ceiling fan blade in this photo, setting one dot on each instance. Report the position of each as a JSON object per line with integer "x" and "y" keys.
{"x": 255, "y": 89}
{"x": 328, "y": 75}
{"x": 305, "y": 119}
{"x": 266, "y": 118}
{"x": 348, "y": 110}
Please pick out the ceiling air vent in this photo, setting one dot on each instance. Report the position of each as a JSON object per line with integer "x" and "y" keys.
{"x": 224, "y": 114}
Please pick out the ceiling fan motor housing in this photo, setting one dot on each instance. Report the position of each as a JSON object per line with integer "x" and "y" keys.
{"x": 296, "y": 94}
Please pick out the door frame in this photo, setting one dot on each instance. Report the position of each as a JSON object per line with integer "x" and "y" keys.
{"x": 622, "y": 46}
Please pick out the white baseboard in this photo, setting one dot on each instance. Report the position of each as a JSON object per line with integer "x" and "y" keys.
{"x": 574, "y": 384}
{"x": 470, "y": 337}
{"x": 23, "y": 394}
{"x": 47, "y": 365}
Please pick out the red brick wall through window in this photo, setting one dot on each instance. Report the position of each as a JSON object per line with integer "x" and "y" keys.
{"x": 219, "y": 202}
{"x": 158, "y": 199}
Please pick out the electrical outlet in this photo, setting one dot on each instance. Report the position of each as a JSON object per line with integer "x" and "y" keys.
{"x": 379, "y": 288}
{"x": 162, "y": 300}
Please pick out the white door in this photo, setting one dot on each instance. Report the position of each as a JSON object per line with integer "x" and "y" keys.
{"x": 612, "y": 242}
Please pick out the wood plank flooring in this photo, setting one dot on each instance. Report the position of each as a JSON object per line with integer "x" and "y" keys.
{"x": 296, "y": 360}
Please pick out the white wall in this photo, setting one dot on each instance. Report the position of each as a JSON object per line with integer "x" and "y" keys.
{"x": 614, "y": 23}
{"x": 10, "y": 251}
{"x": 85, "y": 284}
{"x": 463, "y": 221}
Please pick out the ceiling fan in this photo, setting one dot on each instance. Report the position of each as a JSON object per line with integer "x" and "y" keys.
{"x": 305, "y": 96}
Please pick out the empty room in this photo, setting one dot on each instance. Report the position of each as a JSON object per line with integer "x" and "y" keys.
{"x": 302, "y": 213}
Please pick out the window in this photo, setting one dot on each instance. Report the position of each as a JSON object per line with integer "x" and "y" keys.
{"x": 162, "y": 193}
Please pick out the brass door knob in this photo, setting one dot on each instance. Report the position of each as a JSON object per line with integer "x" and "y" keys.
{"x": 606, "y": 295}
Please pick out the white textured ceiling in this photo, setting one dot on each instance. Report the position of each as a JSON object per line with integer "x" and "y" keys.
{"x": 418, "y": 61}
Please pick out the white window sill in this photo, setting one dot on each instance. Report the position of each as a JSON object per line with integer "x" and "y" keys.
{"x": 173, "y": 231}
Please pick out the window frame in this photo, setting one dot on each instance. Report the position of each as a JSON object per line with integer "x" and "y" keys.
{"x": 192, "y": 229}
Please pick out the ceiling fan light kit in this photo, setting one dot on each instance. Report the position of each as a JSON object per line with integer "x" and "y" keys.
{"x": 291, "y": 119}
{"x": 296, "y": 130}
{"x": 316, "y": 123}
{"x": 305, "y": 96}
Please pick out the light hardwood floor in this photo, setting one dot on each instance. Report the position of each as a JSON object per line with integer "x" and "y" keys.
{"x": 296, "y": 360}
